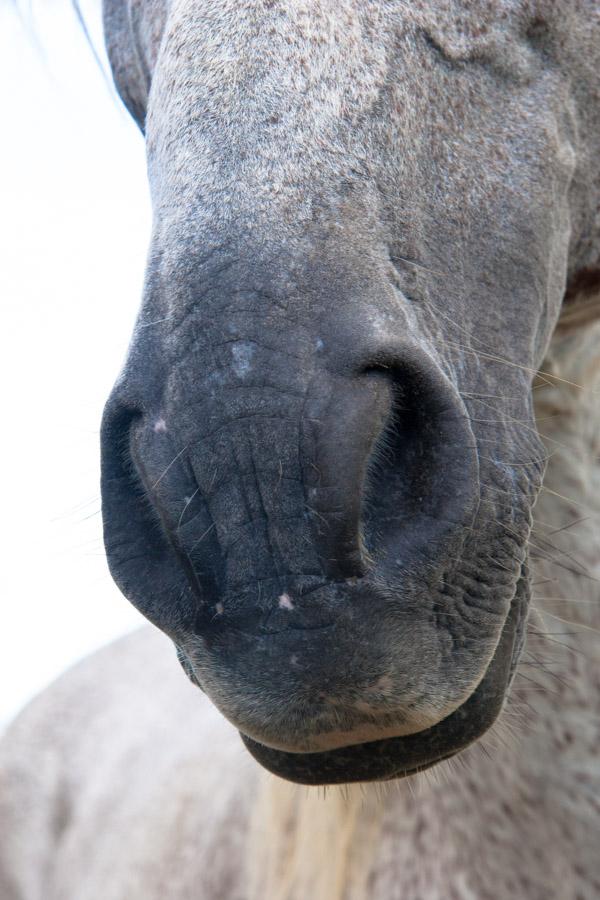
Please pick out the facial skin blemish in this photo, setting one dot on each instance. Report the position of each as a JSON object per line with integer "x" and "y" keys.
{"x": 285, "y": 602}
{"x": 160, "y": 426}
{"x": 242, "y": 358}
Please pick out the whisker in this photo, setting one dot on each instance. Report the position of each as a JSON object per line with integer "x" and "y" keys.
{"x": 173, "y": 461}
{"x": 580, "y": 625}
{"x": 201, "y": 538}
{"x": 547, "y": 555}
{"x": 544, "y": 668}
{"x": 509, "y": 363}
{"x": 556, "y": 599}
{"x": 187, "y": 503}
{"x": 571, "y": 524}
{"x": 590, "y": 512}
{"x": 560, "y": 643}
{"x": 155, "y": 322}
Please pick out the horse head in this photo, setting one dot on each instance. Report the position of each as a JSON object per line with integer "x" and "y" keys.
{"x": 320, "y": 459}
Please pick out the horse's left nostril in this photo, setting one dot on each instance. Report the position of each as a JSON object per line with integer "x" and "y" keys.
{"x": 421, "y": 484}
{"x": 395, "y": 467}
{"x": 343, "y": 434}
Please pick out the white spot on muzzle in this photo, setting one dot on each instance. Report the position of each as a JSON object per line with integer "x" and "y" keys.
{"x": 242, "y": 358}
{"x": 160, "y": 426}
{"x": 285, "y": 602}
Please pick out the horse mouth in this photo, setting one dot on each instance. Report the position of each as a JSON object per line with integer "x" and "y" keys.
{"x": 399, "y": 757}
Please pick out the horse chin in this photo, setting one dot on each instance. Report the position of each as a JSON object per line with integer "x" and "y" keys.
{"x": 399, "y": 757}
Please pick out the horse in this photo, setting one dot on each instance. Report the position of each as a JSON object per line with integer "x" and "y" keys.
{"x": 367, "y": 348}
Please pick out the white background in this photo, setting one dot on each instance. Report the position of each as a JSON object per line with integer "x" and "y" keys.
{"x": 74, "y": 225}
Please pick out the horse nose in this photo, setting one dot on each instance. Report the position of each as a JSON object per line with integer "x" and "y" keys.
{"x": 371, "y": 468}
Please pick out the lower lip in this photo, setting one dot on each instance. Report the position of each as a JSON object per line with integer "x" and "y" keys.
{"x": 359, "y": 763}
{"x": 399, "y": 757}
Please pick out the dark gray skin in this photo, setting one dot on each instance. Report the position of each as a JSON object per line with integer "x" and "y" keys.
{"x": 320, "y": 460}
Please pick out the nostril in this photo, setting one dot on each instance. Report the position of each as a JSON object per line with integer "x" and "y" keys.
{"x": 125, "y": 476}
{"x": 395, "y": 470}
{"x": 421, "y": 482}
{"x": 344, "y": 430}
{"x": 118, "y": 468}
{"x": 399, "y": 474}
{"x": 145, "y": 543}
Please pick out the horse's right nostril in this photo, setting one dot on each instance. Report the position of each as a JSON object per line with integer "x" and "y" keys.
{"x": 145, "y": 550}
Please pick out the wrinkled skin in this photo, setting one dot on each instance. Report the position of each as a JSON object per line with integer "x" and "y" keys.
{"x": 320, "y": 461}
